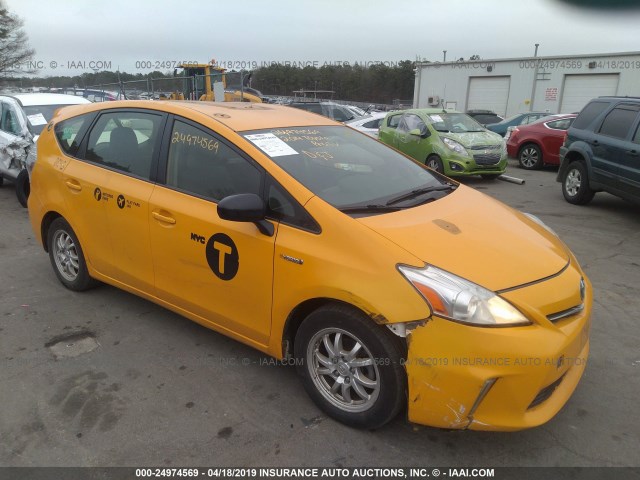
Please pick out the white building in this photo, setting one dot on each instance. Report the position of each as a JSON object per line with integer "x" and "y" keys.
{"x": 507, "y": 86}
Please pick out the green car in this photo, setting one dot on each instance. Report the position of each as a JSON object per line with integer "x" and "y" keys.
{"x": 447, "y": 141}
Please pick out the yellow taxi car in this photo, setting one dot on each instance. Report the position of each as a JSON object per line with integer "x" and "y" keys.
{"x": 388, "y": 285}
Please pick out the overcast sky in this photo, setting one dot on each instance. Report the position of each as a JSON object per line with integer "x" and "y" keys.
{"x": 124, "y": 32}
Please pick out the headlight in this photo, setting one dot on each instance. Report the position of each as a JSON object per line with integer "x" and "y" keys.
{"x": 457, "y": 299}
{"x": 455, "y": 146}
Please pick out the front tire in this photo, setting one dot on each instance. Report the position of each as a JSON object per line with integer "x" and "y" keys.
{"x": 67, "y": 257}
{"x": 530, "y": 157}
{"x": 575, "y": 184}
{"x": 434, "y": 162}
{"x": 350, "y": 366}
{"x": 23, "y": 187}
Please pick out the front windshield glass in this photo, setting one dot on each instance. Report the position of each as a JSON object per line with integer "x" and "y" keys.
{"x": 344, "y": 167}
{"x": 511, "y": 118}
{"x": 454, "y": 123}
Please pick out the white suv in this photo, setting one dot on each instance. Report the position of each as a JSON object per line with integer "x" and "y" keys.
{"x": 22, "y": 118}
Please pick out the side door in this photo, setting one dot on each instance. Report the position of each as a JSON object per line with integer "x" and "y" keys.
{"x": 124, "y": 144}
{"x": 611, "y": 143}
{"x": 630, "y": 166}
{"x": 416, "y": 146}
{"x": 218, "y": 270}
{"x": 387, "y": 132}
{"x": 13, "y": 130}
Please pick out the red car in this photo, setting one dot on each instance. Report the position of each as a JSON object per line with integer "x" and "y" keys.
{"x": 538, "y": 143}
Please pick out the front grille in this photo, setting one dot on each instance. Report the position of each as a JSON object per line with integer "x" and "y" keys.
{"x": 487, "y": 158}
{"x": 554, "y": 317}
{"x": 545, "y": 393}
{"x": 485, "y": 147}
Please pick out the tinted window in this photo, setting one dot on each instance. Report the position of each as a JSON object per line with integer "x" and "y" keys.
{"x": 125, "y": 141}
{"x": 618, "y": 122}
{"x": 68, "y": 133}
{"x": 589, "y": 114}
{"x": 201, "y": 164}
{"x": 636, "y": 137}
{"x": 283, "y": 207}
{"x": 485, "y": 119}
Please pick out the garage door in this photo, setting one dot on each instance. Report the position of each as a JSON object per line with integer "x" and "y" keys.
{"x": 489, "y": 93}
{"x": 579, "y": 89}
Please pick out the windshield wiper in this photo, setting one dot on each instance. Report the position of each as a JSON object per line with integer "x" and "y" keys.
{"x": 369, "y": 208}
{"x": 421, "y": 191}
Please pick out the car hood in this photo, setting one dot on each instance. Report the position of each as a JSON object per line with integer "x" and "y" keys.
{"x": 471, "y": 139}
{"x": 476, "y": 237}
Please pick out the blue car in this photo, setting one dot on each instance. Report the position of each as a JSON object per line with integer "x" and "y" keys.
{"x": 515, "y": 120}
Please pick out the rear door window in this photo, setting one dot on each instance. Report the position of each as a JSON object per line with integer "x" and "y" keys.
{"x": 125, "y": 141}
{"x": 618, "y": 121}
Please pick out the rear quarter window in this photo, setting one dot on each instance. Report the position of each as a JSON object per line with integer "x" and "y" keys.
{"x": 589, "y": 114}
{"x": 69, "y": 133}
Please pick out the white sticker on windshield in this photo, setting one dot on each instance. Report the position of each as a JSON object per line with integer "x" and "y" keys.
{"x": 271, "y": 145}
{"x": 37, "y": 119}
{"x": 436, "y": 118}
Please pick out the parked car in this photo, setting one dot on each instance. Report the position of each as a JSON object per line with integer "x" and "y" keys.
{"x": 180, "y": 202}
{"x": 538, "y": 143}
{"x": 357, "y": 111}
{"x": 24, "y": 115}
{"x": 332, "y": 110}
{"x": 369, "y": 124}
{"x": 515, "y": 120}
{"x": 484, "y": 117}
{"x": 447, "y": 141}
{"x": 601, "y": 151}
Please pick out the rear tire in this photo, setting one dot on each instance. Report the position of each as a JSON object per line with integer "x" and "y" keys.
{"x": 67, "y": 257}
{"x": 434, "y": 162}
{"x": 575, "y": 184}
{"x": 530, "y": 157}
{"x": 23, "y": 187}
{"x": 350, "y": 366}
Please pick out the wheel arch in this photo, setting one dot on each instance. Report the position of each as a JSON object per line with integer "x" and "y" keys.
{"x": 304, "y": 309}
{"x": 47, "y": 220}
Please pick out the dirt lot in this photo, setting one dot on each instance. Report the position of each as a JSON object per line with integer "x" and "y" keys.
{"x": 147, "y": 387}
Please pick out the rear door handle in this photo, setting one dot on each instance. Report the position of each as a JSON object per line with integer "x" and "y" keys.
{"x": 595, "y": 142}
{"x": 163, "y": 218}
{"x": 73, "y": 185}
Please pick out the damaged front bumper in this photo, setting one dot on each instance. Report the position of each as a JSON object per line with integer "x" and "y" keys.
{"x": 501, "y": 378}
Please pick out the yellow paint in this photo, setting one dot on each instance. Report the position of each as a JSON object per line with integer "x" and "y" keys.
{"x": 156, "y": 244}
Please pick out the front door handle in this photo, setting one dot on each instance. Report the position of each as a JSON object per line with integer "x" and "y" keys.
{"x": 163, "y": 218}
{"x": 633, "y": 152}
{"x": 73, "y": 185}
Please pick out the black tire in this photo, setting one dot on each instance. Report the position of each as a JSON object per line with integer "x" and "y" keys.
{"x": 23, "y": 187}
{"x": 575, "y": 184}
{"x": 434, "y": 162}
{"x": 530, "y": 157}
{"x": 490, "y": 176}
{"x": 67, "y": 257}
{"x": 367, "y": 395}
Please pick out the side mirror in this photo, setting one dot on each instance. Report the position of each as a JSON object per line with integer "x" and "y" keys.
{"x": 246, "y": 207}
{"x": 419, "y": 132}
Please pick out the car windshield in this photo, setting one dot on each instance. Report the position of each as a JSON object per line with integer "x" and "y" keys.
{"x": 348, "y": 169}
{"x": 454, "y": 123}
{"x": 39, "y": 116}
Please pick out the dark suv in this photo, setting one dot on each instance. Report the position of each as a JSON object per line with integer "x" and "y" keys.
{"x": 601, "y": 151}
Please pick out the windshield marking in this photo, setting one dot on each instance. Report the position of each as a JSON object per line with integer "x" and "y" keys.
{"x": 271, "y": 145}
